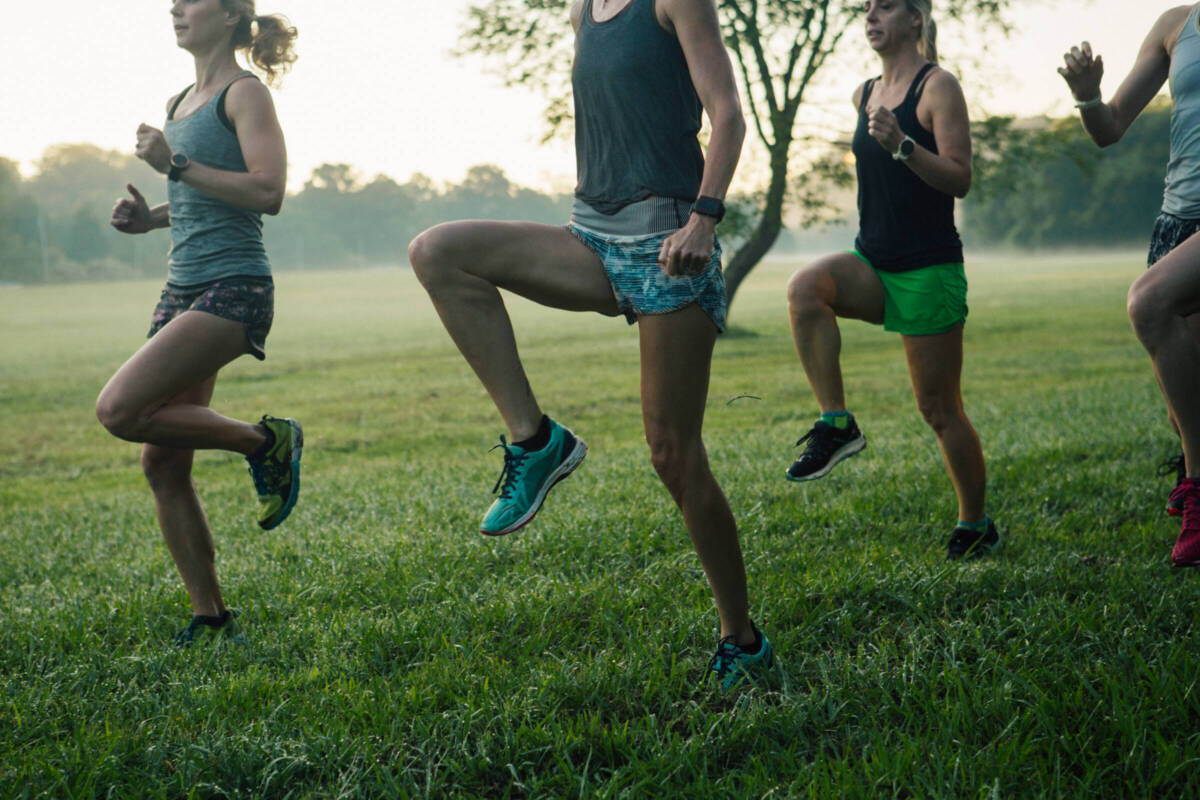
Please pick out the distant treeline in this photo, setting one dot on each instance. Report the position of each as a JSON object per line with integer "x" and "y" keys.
{"x": 1039, "y": 183}
{"x": 54, "y": 225}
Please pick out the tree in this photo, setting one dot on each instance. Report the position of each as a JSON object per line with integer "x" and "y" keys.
{"x": 779, "y": 48}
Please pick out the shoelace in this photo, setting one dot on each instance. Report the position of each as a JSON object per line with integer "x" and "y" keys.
{"x": 820, "y": 443}
{"x": 1172, "y": 466}
{"x": 509, "y": 472}
{"x": 723, "y": 660}
{"x": 267, "y": 474}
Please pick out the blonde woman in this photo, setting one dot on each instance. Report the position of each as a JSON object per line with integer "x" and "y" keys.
{"x": 912, "y": 151}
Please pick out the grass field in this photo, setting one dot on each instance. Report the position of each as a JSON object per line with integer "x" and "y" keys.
{"x": 394, "y": 652}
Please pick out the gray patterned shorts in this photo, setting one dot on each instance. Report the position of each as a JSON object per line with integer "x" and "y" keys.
{"x": 250, "y": 301}
{"x": 640, "y": 285}
{"x": 1170, "y": 231}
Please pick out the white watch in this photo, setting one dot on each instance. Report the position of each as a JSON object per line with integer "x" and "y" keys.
{"x": 905, "y": 150}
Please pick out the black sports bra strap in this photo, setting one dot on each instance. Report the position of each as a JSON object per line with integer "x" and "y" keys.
{"x": 866, "y": 93}
{"x": 918, "y": 84}
{"x": 178, "y": 100}
{"x": 221, "y": 115}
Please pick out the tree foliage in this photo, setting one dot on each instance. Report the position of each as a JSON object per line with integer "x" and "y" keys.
{"x": 779, "y": 48}
{"x": 1044, "y": 183}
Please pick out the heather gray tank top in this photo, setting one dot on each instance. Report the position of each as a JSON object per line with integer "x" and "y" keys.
{"x": 636, "y": 112}
{"x": 1182, "y": 194}
{"x": 210, "y": 239}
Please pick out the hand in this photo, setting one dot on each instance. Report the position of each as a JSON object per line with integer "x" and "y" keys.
{"x": 152, "y": 148}
{"x": 1082, "y": 72}
{"x": 132, "y": 215}
{"x": 688, "y": 250}
{"x": 884, "y": 128}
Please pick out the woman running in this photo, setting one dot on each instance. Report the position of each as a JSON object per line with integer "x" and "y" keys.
{"x": 223, "y": 154}
{"x": 1164, "y": 301}
{"x": 912, "y": 150}
{"x": 640, "y": 243}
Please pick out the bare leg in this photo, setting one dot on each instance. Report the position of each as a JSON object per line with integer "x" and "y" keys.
{"x": 935, "y": 364}
{"x": 463, "y": 264}
{"x": 835, "y": 286}
{"x": 135, "y": 404}
{"x": 181, "y": 516}
{"x": 676, "y": 352}
{"x": 1160, "y": 301}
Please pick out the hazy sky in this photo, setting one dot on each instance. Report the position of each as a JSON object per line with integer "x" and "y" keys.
{"x": 378, "y": 87}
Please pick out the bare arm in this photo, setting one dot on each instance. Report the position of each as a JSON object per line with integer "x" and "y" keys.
{"x": 261, "y": 187}
{"x": 133, "y": 215}
{"x": 698, "y": 29}
{"x": 1107, "y": 122}
{"x": 944, "y": 109}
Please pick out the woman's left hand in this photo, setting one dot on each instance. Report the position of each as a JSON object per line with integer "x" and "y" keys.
{"x": 884, "y": 128}
{"x": 152, "y": 148}
{"x": 688, "y": 250}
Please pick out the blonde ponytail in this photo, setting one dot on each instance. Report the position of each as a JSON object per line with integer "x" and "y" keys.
{"x": 927, "y": 41}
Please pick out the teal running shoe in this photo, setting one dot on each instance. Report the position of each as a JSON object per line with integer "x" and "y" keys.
{"x": 277, "y": 474}
{"x": 733, "y": 666}
{"x": 528, "y": 477}
{"x": 223, "y": 626}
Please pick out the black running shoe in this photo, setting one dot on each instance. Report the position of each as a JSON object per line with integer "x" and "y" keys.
{"x": 827, "y": 445}
{"x": 1178, "y": 466}
{"x": 966, "y": 543}
{"x": 223, "y": 625}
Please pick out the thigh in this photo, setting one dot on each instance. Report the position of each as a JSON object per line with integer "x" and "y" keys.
{"x": 935, "y": 364}
{"x": 676, "y": 353}
{"x": 176, "y": 362}
{"x": 849, "y": 285}
{"x": 544, "y": 263}
{"x": 1175, "y": 279}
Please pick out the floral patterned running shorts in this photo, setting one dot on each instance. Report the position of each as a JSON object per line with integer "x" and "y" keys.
{"x": 250, "y": 301}
{"x": 1170, "y": 231}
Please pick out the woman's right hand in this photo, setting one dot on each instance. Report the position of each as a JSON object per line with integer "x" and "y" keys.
{"x": 1082, "y": 72}
{"x": 132, "y": 214}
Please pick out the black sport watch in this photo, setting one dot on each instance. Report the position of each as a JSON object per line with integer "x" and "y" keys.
{"x": 179, "y": 162}
{"x": 709, "y": 207}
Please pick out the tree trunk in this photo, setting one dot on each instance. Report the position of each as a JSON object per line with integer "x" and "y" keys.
{"x": 769, "y": 225}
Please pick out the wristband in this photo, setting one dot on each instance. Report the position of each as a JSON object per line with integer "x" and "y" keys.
{"x": 1086, "y": 104}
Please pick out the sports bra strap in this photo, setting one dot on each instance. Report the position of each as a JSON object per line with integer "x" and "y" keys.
{"x": 178, "y": 100}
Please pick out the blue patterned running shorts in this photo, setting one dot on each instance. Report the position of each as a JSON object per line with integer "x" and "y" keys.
{"x": 641, "y": 287}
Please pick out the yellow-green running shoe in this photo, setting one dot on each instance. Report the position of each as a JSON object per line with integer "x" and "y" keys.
{"x": 528, "y": 477}
{"x": 734, "y": 666}
{"x": 277, "y": 473}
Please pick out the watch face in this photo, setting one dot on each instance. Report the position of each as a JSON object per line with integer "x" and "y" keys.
{"x": 907, "y": 147}
{"x": 179, "y": 160}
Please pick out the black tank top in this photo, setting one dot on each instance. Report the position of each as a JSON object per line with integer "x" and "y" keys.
{"x": 636, "y": 112}
{"x": 903, "y": 222}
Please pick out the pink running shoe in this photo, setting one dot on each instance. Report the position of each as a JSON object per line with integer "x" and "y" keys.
{"x": 1186, "y": 552}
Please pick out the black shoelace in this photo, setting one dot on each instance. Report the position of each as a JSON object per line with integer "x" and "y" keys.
{"x": 820, "y": 443}
{"x": 509, "y": 472}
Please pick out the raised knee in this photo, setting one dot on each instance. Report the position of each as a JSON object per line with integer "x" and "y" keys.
{"x": 117, "y": 417}
{"x": 426, "y": 254}
{"x": 806, "y": 294}
{"x": 1145, "y": 309}
{"x": 165, "y": 466}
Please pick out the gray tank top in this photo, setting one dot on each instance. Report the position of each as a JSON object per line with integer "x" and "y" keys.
{"x": 210, "y": 239}
{"x": 636, "y": 112}
{"x": 1182, "y": 195}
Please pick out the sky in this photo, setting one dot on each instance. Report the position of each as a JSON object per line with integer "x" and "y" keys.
{"x": 380, "y": 89}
